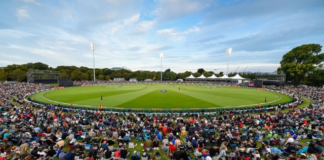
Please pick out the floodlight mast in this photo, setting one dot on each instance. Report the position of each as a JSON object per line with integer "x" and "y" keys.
{"x": 228, "y": 52}
{"x": 161, "y": 56}
{"x": 93, "y": 48}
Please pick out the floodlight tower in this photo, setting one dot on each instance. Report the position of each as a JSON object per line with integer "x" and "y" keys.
{"x": 161, "y": 56}
{"x": 93, "y": 48}
{"x": 228, "y": 52}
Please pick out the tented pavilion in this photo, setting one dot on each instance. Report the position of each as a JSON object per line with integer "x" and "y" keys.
{"x": 237, "y": 78}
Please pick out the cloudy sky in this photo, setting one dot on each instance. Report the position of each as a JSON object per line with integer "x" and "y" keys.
{"x": 132, "y": 33}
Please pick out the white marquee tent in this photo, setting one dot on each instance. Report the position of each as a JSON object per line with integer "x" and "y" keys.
{"x": 191, "y": 77}
{"x": 212, "y": 77}
{"x": 201, "y": 77}
{"x": 237, "y": 77}
{"x": 224, "y": 77}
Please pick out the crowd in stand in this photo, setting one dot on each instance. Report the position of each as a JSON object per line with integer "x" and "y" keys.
{"x": 32, "y": 131}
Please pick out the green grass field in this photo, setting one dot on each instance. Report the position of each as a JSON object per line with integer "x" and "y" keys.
{"x": 147, "y": 96}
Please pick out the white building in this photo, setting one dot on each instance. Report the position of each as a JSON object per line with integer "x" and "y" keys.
{"x": 119, "y": 79}
{"x": 132, "y": 80}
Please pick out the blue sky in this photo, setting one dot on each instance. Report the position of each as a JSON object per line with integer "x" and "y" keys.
{"x": 192, "y": 34}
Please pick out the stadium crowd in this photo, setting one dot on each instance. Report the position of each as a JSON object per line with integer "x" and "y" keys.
{"x": 33, "y": 131}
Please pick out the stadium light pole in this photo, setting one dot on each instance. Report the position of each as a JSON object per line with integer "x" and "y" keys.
{"x": 93, "y": 48}
{"x": 228, "y": 52}
{"x": 161, "y": 56}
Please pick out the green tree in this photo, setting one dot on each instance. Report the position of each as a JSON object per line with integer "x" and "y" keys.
{"x": 18, "y": 75}
{"x": 3, "y": 75}
{"x": 315, "y": 78}
{"x": 40, "y": 66}
{"x": 201, "y": 71}
{"x": 107, "y": 78}
{"x": 76, "y": 75}
{"x": 197, "y": 74}
{"x": 301, "y": 60}
{"x": 63, "y": 74}
{"x": 101, "y": 77}
{"x": 207, "y": 74}
{"x": 84, "y": 76}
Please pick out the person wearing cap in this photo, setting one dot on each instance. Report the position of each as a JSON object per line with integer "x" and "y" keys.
{"x": 194, "y": 143}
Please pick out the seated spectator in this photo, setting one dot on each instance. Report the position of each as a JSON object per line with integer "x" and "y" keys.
{"x": 145, "y": 156}
{"x": 135, "y": 156}
{"x": 117, "y": 153}
{"x": 171, "y": 147}
{"x": 157, "y": 156}
{"x": 107, "y": 153}
{"x": 123, "y": 153}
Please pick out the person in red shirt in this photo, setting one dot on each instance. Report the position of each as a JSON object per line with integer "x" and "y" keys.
{"x": 165, "y": 130}
{"x": 240, "y": 124}
{"x": 117, "y": 153}
{"x": 90, "y": 158}
{"x": 171, "y": 147}
{"x": 305, "y": 122}
{"x": 231, "y": 116}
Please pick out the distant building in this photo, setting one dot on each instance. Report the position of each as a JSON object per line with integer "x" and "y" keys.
{"x": 133, "y": 80}
{"x": 116, "y": 68}
{"x": 179, "y": 80}
{"x": 119, "y": 79}
{"x": 119, "y": 68}
{"x": 148, "y": 80}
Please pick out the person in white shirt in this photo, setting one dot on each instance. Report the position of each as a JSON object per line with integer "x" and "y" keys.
{"x": 197, "y": 153}
{"x": 290, "y": 140}
{"x": 256, "y": 155}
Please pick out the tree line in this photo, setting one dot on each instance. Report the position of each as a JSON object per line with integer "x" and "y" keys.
{"x": 19, "y": 73}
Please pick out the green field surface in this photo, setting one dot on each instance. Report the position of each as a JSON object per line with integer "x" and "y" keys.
{"x": 149, "y": 96}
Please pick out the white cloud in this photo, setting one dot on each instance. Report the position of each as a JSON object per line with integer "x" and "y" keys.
{"x": 127, "y": 22}
{"x": 143, "y": 27}
{"x": 22, "y": 14}
{"x": 171, "y": 34}
{"x": 31, "y": 1}
{"x": 132, "y": 19}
